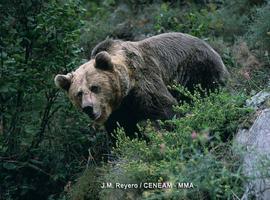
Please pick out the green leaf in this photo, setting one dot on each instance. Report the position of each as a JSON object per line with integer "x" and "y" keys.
{"x": 9, "y": 166}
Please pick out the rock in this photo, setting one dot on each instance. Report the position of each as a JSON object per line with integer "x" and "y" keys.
{"x": 255, "y": 149}
{"x": 258, "y": 99}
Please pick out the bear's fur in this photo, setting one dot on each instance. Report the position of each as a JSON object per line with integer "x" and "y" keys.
{"x": 126, "y": 82}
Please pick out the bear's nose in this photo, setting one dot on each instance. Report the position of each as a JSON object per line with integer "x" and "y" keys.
{"x": 89, "y": 111}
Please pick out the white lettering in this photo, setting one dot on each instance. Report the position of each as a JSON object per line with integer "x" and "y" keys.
{"x": 126, "y": 186}
{"x": 157, "y": 185}
{"x": 184, "y": 185}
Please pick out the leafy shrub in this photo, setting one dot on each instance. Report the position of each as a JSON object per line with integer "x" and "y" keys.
{"x": 97, "y": 27}
{"x": 259, "y": 31}
{"x": 194, "y": 22}
{"x": 233, "y": 18}
{"x": 38, "y": 146}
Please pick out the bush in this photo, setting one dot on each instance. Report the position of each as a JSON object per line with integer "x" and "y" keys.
{"x": 259, "y": 31}
{"x": 38, "y": 147}
{"x": 194, "y": 22}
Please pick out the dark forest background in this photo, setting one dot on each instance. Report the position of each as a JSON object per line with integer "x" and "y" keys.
{"x": 48, "y": 150}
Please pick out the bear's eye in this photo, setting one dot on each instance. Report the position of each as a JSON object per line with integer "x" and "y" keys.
{"x": 79, "y": 94}
{"x": 94, "y": 89}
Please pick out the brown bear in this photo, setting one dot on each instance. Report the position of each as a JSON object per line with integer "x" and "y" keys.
{"x": 126, "y": 82}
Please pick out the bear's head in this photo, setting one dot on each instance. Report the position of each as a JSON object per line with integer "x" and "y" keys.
{"x": 94, "y": 87}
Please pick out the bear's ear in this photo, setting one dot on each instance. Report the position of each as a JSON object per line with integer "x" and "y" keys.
{"x": 103, "y": 61}
{"x": 63, "y": 81}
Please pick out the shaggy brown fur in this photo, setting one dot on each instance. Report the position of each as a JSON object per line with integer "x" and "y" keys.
{"x": 131, "y": 78}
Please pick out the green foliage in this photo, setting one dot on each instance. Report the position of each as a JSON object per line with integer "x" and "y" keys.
{"x": 259, "y": 32}
{"x": 96, "y": 29}
{"x": 85, "y": 191}
{"x": 236, "y": 23}
{"x": 166, "y": 19}
{"x": 194, "y": 22}
{"x": 39, "y": 149}
{"x": 205, "y": 115}
{"x": 187, "y": 149}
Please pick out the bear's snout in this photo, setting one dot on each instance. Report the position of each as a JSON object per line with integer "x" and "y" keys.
{"x": 89, "y": 111}
{"x": 87, "y": 105}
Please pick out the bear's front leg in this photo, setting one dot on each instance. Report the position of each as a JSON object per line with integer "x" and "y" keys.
{"x": 159, "y": 102}
{"x": 123, "y": 119}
